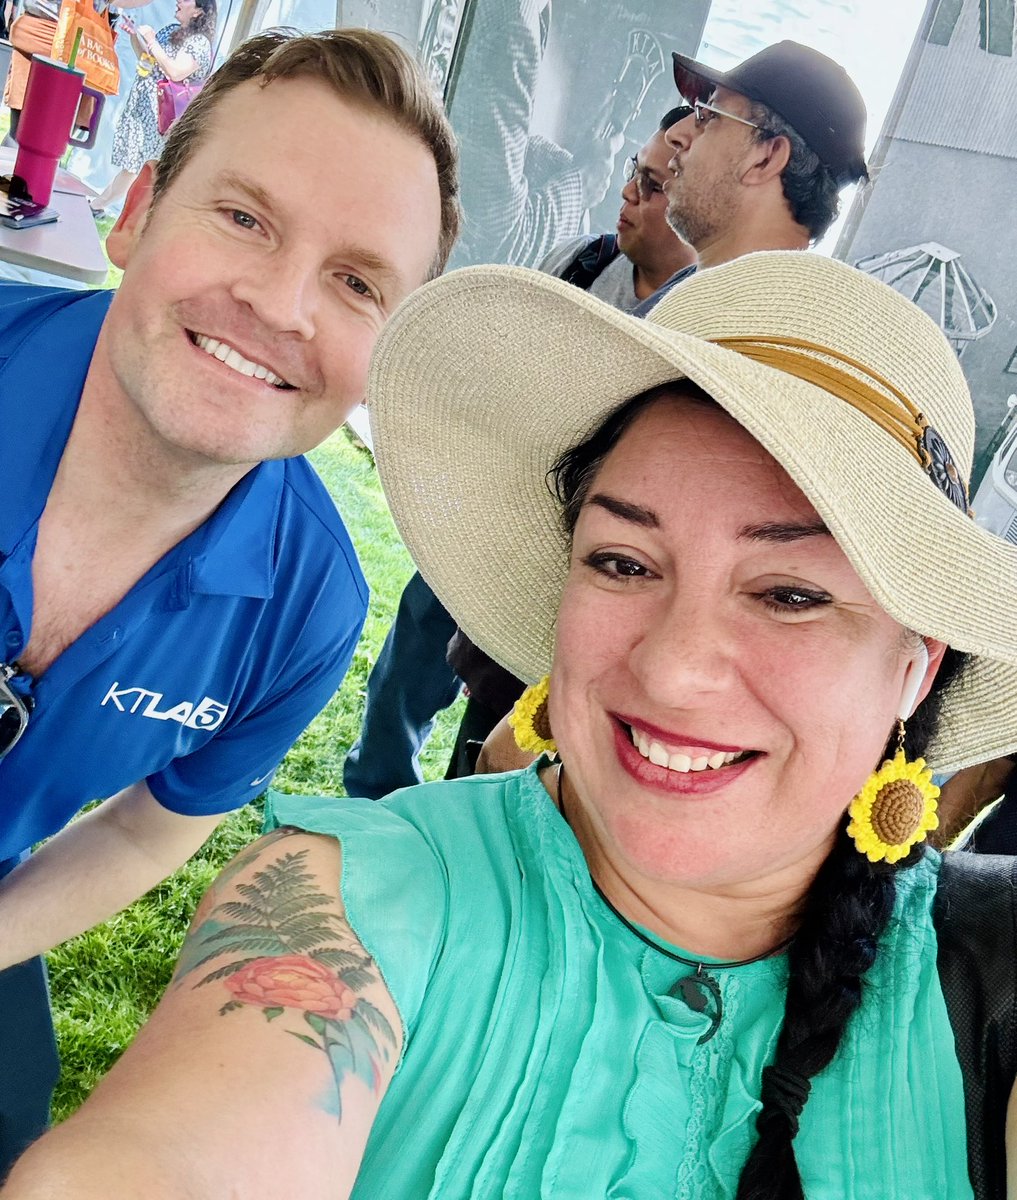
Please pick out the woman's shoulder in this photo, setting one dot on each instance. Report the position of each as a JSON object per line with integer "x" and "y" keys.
{"x": 439, "y": 834}
{"x": 448, "y": 816}
{"x": 446, "y": 823}
{"x": 198, "y": 45}
{"x": 418, "y": 863}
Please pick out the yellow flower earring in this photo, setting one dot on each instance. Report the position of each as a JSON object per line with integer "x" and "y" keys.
{"x": 895, "y": 809}
{"x": 529, "y": 720}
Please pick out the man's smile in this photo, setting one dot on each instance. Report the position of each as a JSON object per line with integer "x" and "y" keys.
{"x": 231, "y": 357}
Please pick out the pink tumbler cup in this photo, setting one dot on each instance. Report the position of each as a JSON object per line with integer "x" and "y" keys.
{"x": 47, "y": 119}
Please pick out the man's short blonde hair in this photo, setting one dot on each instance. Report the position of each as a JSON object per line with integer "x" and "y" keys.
{"x": 362, "y": 67}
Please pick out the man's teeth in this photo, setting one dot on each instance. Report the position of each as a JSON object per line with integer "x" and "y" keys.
{"x": 658, "y": 755}
{"x": 232, "y": 358}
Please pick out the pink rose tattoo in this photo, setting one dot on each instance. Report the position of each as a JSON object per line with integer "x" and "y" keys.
{"x": 293, "y": 981}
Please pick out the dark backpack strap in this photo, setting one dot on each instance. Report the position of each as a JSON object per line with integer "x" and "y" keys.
{"x": 598, "y": 253}
{"x": 975, "y": 914}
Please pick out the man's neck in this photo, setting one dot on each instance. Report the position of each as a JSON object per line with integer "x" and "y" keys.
{"x": 645, "y": 281}
{"x": 114, "y": 464}
{"x": 747, "y": 238}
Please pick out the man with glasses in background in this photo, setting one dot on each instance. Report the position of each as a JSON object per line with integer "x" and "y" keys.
{"x": 760, "y": 160}
{"x": 643, "y": 254}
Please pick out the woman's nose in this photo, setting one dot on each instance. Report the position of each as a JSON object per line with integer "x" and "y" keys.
{"x": 683, "y": 652}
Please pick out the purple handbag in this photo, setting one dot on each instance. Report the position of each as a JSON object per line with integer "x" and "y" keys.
{"x": 173, "y": 98}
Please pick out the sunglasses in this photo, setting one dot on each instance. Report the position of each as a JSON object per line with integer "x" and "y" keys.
{"x": 646, "y": 185}
{"x": 14, "y": 710}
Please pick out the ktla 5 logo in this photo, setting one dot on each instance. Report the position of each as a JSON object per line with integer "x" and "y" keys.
{"x": 206, "y": 714}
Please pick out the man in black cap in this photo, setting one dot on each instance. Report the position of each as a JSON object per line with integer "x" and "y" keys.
{"x": 760, "y": 162}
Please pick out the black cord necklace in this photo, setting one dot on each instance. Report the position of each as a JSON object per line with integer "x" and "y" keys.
{"x": 698, "y": 990}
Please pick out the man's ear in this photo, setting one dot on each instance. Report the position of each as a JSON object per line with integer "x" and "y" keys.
{"x": 767, "y": 160}
{"x": 124, "y": 235}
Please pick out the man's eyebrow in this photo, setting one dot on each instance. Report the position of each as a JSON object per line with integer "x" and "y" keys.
{"x": 230, "y": 179}
{"x": 783, "y": 531}
{"x": 635, "y": 513}
{"x": 370, "y": 260}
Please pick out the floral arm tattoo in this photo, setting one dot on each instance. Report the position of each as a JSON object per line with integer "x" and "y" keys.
{"x": 289, "y": 953}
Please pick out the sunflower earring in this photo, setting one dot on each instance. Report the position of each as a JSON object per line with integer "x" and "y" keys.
{"x": 895, "y": 809}
{"x": 529, "y": 720}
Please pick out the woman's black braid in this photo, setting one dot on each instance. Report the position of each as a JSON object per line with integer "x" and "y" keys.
{"x": 847, "y": 910}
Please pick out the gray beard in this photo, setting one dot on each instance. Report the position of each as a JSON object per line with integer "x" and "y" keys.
{"x": 687, "y": 230}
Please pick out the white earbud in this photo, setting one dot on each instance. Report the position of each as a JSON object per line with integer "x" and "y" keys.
{"x": 914, "y": 677}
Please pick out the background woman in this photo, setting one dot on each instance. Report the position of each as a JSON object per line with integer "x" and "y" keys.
{"x": 32, "y": 32}
{"x": 180, "y": 51}
{"x": 703, "y": 955}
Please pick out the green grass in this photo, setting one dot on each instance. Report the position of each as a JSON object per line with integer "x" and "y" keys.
{"x": 105, "y": 982}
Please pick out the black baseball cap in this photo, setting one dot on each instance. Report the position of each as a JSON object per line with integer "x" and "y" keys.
{"x": 815, "y": 95}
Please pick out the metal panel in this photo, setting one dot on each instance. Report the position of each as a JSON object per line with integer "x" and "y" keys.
{"x": 964, "y": 93}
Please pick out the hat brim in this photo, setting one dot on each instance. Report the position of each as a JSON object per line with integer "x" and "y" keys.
{"x": 693, "y": 79}
{"x": 505, "y": 369}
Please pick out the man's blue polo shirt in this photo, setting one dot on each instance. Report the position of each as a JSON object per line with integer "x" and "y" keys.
{"x": 200, "y": 679}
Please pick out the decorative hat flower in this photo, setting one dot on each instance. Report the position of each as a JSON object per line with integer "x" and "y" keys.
{"x": 894, "y": 810}
{"x": 942, "y": 470}
{"x": 530, "y": 722}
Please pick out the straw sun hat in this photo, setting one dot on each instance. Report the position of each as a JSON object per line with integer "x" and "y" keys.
{"x": 485, "y": 376}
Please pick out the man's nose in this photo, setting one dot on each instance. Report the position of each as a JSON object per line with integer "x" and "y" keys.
{"x": 283, "y": 294}
{"x": 680, "y": 134}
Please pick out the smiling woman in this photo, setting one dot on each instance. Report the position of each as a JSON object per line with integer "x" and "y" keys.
{"x": 715, "y": 593}
{"x": 703, "y": 954}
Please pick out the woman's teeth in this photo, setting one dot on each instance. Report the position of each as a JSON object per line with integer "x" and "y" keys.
{"x": 684, "y": 763}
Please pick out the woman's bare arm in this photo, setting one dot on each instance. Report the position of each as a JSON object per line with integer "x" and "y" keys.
{"x": 175, "y": 67}
{"x": 261, "y": 1071}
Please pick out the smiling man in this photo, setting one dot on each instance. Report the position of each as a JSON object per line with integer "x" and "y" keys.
{"x": 178, "y": 596}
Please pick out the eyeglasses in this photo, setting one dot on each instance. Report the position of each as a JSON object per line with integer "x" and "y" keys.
{"x": 704, "y": 113}
{"x": 14, "y": 710}
{"x": 646, "y": 185}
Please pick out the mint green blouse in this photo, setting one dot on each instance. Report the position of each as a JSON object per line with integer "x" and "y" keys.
{"x": 544, "y": 1056}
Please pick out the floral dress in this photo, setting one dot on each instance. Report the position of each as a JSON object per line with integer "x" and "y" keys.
{"x": 137, "y": 138}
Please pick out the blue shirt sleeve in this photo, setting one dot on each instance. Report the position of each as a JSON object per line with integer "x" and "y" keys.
{"x": 237, "y": 764}
{"x": 294, "y": 661}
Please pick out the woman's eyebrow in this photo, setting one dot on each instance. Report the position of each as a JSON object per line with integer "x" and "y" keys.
{"x": 627, "y": 512}
{"x": 783, "y": 531}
